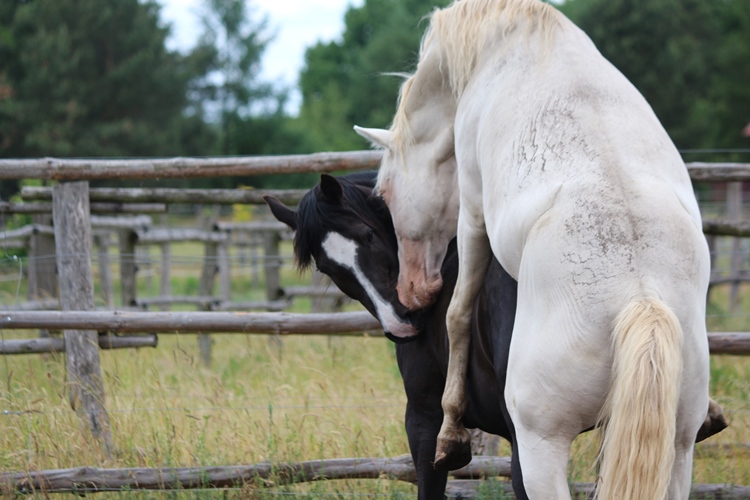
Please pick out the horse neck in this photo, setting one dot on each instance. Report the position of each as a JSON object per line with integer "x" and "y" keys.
{"x": 430, "y": 106}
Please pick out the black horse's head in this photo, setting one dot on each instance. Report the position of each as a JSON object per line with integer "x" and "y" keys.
{"x": 349, "y": 235}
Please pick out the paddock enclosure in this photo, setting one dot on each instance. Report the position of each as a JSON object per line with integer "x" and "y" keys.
{"x": 154, "y": 338}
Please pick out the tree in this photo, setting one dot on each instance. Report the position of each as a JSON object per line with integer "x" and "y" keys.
{"x": 230, "y": 90}
{"x": 88, "y": 78}
{"x": 346, "y": 83}
{"x": 729, "y": 94}
{"x": 672, "y": 51}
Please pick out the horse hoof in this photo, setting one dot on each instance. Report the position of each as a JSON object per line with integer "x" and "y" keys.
{"x": 453, "y": 452}
{"x": 714, "y": 423}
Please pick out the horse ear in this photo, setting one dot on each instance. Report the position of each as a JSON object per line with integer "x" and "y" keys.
{"x": 282, "y": 212}
{"x": 378, "y": 137}
{"x": 331, "y": 188}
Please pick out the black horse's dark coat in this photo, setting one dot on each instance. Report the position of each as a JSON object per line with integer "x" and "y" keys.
{"x": 424, "y": 364}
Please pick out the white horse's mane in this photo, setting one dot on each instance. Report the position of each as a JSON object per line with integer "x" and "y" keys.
{"x": 460, "y": 31}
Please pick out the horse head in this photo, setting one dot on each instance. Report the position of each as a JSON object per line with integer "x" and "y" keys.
{"x": 425, "y": 219}
{"x": 348, "y": 233}
{"x": 417, "y": 178}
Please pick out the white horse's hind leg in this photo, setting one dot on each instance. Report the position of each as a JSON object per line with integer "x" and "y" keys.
{"x": 682, "y": 469}
{"x": 544, "y": 463}
{"x": 693, "y": 398}
{"x": 679, "y": 486}
{"x": 474, "y": 254}
{"x": 546, "y": 415}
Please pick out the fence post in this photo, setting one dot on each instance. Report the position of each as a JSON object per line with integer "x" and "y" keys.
{"x": 483, "y": 443}
{"x": 165, "y": 272}
{"x": 42, "y": 277}
{"x": 105, "y": 275}
{"x": 206, "y": 289}
{"x": 127, "y": 267}
{"x": 255, "y": 241}
{"x": 42, "y": 273}
{"x": 734, "y": 215}
{"x": 271, "y": 270}
{"x": 272, "y": 265}
{"x": 165, "y": 283}
{"x": 143, "y": 263}
{"x": 225, "y": 273}
{"x": 70, "y": 211}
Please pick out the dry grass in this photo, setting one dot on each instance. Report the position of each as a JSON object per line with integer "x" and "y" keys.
{"x": 318, "y": 399}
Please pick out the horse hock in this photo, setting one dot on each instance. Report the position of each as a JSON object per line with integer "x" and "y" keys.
{"x": 714, "y": 423}
{"x": 453, "y": 448}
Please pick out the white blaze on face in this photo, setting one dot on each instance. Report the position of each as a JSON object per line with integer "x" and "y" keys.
{"x": 343, "y": 251}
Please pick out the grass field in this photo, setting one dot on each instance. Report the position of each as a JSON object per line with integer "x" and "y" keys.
{"x": 316, "y": 397}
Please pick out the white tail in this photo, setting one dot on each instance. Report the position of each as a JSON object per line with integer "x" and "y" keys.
{"x": 638, "y": 420}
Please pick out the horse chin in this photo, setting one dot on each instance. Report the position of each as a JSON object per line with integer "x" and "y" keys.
{"x": 401, "y": 333}
{"x": 400, "y": 340}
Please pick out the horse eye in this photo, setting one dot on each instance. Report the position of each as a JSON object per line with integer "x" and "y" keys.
{"x": 370, "y": 236}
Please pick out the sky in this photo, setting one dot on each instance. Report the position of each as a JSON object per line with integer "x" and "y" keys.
{"x": 298, "y": 24}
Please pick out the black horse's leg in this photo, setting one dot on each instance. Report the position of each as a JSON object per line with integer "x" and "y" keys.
{"x": 516, "y": 475}
{"x": 422, "y": 428}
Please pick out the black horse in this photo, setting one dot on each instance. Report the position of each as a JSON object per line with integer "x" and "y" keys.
{"x": 349, "y": 235}
{"x": 345, "y": 206}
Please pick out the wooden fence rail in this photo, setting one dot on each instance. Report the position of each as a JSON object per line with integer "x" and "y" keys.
{"x": 96, "y": 207}
{"x": 169, "y": 195}
{"x": 182, "y": 168}
{"x": 84, "y": 480}
{"x": 278, "y": 323}
{"x": 139, "y": 222}
{"x": 53, "y": 344}
{"x": 740, "y": 228}
{"x": 719, "y": 172}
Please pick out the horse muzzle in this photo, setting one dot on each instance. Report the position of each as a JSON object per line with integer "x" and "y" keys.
{"x": 419, "y": 294}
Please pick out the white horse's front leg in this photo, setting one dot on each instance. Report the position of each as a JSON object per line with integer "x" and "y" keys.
{"x": 474, "y": 253}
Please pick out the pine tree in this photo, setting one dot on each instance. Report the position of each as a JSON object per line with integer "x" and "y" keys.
{"x": 88, "y": 78}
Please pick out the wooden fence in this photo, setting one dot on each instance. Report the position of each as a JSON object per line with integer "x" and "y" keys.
{"x": 85, "y": 480}
{"x": 135, "y": 233}
{"x": 72, "y": 203}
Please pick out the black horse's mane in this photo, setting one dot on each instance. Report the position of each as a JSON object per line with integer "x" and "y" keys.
{"x": 316, "y": 212}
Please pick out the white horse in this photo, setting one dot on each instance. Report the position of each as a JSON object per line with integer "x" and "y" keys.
{"x": 517, "y": 132}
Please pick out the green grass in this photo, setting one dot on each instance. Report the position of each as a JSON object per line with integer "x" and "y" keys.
{"x": 316, "y": 398}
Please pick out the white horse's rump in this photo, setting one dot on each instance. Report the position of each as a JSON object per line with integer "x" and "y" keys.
{"x": 565, "y": 174}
